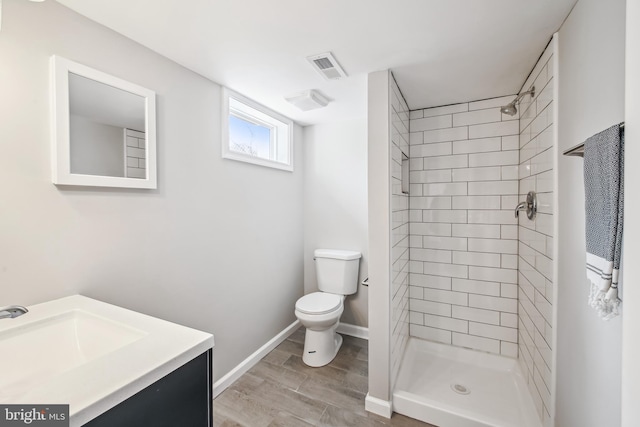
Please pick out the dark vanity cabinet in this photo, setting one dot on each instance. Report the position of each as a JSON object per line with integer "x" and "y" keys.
{"x": 180, "y": 399}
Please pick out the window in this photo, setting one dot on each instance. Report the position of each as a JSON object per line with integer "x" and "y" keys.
{"x": 254, "y": 134}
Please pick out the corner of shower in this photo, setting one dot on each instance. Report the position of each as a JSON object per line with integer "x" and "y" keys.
{"x": 471, "y": 284}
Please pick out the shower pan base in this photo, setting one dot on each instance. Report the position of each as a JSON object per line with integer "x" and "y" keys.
{"x": 455, "y": 387}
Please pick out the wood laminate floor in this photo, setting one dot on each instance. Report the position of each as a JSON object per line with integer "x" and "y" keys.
{"x": 282, "y": 391}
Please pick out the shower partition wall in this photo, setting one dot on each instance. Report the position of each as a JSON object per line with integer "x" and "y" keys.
{"x": 399, "y": 229}
{"x": 536, "y": 267}
{"x": 388, "y": 122}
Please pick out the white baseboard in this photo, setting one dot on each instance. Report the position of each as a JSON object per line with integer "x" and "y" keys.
{"x": 248, "y": 363}
{"x": 353, "y": 330}
{"x": 384, "y": 408}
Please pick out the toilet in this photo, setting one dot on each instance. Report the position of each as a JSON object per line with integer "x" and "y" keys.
{"x": 319, "y": 312}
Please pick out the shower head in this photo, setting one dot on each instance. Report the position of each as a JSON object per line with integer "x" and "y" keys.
{"x": 511, "y": 109}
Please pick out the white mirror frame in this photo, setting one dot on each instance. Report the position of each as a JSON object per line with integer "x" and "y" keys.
{"x": 60, "y": 135}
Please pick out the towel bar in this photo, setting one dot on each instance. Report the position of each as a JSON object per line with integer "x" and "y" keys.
{"x": 578, "y": 150}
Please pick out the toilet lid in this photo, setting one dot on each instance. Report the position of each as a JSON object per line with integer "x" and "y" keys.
{"x": 318, "y": 303}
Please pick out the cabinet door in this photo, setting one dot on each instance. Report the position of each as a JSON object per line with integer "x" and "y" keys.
{"x": 180, "y": 399}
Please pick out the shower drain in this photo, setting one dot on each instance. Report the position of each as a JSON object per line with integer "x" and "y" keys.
{"x": 460, "y": 389}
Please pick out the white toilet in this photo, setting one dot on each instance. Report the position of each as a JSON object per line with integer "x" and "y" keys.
{"x": 319, "y": 312}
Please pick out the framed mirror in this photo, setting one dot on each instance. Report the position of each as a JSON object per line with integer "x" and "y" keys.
{"x": 104, "y": 129}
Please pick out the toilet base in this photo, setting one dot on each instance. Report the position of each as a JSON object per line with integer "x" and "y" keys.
{"x": 321, "y": 347}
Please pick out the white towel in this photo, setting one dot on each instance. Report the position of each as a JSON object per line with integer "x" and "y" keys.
{"x": 603, "y": 183}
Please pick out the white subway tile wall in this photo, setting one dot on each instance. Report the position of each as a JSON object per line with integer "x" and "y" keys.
{"x": 135, "y": 153}
{"x": 400, "y": 227}
{"x": 463, "y": 256}
{"x": 535, "y": 246}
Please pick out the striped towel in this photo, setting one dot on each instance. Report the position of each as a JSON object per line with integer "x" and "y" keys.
{"x": 603, "y": 184}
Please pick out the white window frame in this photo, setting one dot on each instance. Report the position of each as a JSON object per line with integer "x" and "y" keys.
{"x": 281, "y": 131}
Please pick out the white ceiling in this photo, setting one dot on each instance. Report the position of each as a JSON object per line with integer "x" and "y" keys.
{"x": 440, "y": 51}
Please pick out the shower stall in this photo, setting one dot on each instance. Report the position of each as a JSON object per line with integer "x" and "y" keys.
{"x": 461, "y": 302}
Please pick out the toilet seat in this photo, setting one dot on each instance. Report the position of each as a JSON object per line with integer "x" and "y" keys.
{"x": 318, "y": 303}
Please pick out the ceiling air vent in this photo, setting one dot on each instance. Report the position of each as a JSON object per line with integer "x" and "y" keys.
{"x": 327, "y": 66}
{"x": 308, "y": 100}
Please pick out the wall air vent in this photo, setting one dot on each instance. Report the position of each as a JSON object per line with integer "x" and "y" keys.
{"x": 327, "y": 66}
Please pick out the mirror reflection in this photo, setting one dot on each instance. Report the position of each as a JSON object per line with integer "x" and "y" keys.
{"x": 106, "y": 130}
{"x": 103, "y": 130}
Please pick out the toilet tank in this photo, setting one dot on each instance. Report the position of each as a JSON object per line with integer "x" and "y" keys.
{"x": 337, "y": 270}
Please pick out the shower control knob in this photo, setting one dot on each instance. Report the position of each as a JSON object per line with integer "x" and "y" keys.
{"x": 531, "y": 206}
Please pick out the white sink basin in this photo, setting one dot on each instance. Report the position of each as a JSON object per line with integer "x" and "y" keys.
{"x": 55, "y": 345}
{"x": 89, "y": 354}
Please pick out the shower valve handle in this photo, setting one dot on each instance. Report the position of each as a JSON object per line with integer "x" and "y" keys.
{"x": 522, "y": 206}
{"x": 531, "y": 206}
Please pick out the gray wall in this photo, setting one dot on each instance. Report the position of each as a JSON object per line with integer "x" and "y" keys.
{"x": 96, "y": 148}
{"x": 591, "y": 98}
{"x": 631, "y": 250}
{"x": 217, "y": 247}
{"x": 335, "y": 202}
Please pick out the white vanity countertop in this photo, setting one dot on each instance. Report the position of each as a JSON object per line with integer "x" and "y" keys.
{"x": 89, "y": 354}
